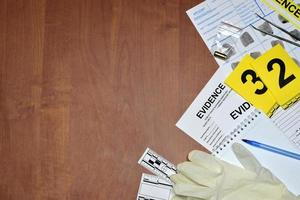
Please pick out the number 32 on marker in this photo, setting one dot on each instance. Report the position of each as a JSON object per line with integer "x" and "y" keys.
{"x": 246, "y": 83}
{"x": 280, "y": 74}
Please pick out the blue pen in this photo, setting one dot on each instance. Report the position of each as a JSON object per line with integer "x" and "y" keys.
{"x": 272, "y": 149}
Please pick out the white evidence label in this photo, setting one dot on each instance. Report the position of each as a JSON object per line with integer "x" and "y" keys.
{"x": 154, "y": 188}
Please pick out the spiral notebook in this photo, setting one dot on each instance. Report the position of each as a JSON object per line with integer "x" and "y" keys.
{"x": 218, "y": 117}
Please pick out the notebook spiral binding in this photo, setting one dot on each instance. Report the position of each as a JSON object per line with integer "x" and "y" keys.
{"x": 228, "y": 140}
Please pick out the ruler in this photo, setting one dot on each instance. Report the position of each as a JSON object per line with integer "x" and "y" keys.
{"x": 157, "y": 164}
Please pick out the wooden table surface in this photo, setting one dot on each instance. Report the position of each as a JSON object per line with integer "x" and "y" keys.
{"x": 86, "y": 86}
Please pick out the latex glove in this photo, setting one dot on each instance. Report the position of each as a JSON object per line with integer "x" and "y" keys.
{"x": 207, "y": 177}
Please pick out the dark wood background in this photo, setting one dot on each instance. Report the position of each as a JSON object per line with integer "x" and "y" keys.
{"x": 86, "y": 86}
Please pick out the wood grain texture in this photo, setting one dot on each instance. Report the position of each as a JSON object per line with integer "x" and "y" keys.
{"x": 86, "y": 86}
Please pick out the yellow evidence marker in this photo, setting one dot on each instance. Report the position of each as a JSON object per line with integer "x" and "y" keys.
{"x": 246, "y": 83}
{"x": 280, "y": 74}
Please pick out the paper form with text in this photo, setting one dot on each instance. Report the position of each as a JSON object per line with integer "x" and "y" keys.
{"x": 206, "y": 18}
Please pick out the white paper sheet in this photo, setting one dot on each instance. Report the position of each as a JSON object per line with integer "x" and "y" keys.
{"x": 206, "y": 18}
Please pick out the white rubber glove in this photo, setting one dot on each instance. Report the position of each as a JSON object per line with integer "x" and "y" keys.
{"x": 207, "y": 177}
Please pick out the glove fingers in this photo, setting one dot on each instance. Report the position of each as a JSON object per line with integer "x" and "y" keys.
{"x": 195, "y": 191}
{"x": 198, "y": 174}
{"x": 206, "y": 160}
{"x": 266, "y": 175}
{"x": 193, "y": 198}
{"x": 179, "y": 178}
{"x": 184, "y": 198}
{"x": 179, "y": 198}
{"x": 252, "y": 164}
{"x": 246, "y": 158}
